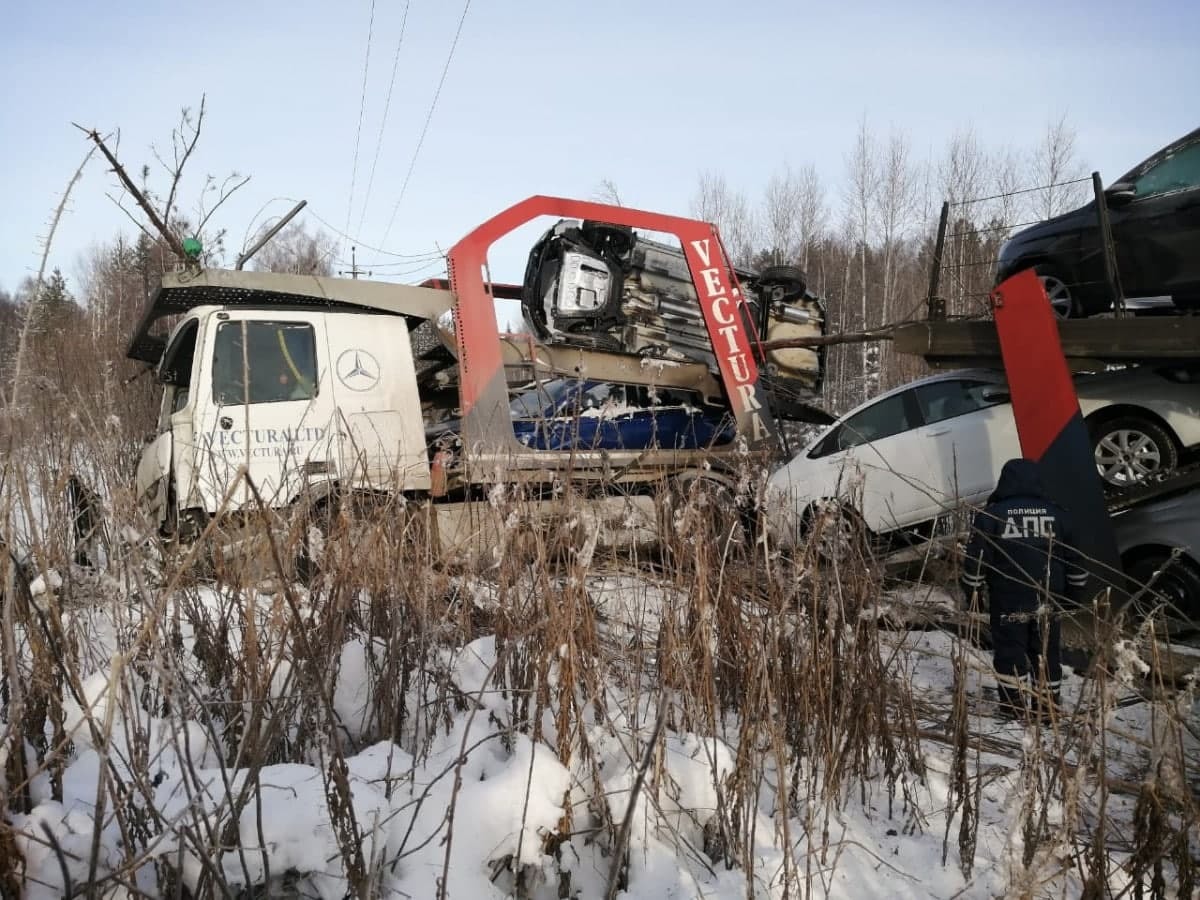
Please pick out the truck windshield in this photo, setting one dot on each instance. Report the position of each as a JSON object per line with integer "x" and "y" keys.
{"x": 264, "y": 362}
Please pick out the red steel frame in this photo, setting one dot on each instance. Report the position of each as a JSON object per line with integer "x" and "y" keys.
{"x": 1049, "y": 422}
{"x": 483, "y": 391}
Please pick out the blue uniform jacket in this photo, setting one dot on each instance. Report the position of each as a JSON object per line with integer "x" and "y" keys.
{"x": 1022, "y": 545}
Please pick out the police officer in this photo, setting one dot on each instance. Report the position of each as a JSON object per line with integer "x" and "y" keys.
{"x": 1022, "y": 547}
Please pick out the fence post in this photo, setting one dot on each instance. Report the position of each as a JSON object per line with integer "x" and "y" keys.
{"x": 1111, "y": 276}
{"x": 937, "y": 305}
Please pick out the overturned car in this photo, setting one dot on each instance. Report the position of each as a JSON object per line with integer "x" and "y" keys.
{"x": 606, "y": 287}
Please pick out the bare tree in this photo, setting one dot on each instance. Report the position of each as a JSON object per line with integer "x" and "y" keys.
{"x": 606, "y": 192}
{"x": 1010, "y": 208}
{"x": 962, "y": 178}
{"x": 33, "y": 308}
{"x": 962, "y": 172}
{"x": 116, "y": 280}
{"x": 298, "y": 251}
{"x": 715, "y": 201}
{"x": 895, "y": 204}
{"x": 793, "y": 214}
{"x": 812, "y": 214}
{"x": 781, "y": 216}
{"x": 162, "y": 213}
{"x": 1054, "y": 163}
{"x": 862, "y": 188}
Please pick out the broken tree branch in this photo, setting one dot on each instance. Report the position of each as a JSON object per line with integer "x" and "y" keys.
{"x": 225, "y": 194}
{"x": 883, "y": 333}
{"x": 189, "y": 148}
{"x": 33, "y": 309}
{"x": 132, "y": 218}
{"x": 159, "y": 225}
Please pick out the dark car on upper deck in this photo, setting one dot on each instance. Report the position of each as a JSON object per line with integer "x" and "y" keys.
{"x": 1154, "y": 211}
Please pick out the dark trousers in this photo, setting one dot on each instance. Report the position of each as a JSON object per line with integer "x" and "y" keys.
{"x": 1017, "y": 644}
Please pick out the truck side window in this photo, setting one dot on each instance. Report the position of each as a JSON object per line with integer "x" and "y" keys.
{"x": 176, "y": 371}
{"x": 264, "y": 362}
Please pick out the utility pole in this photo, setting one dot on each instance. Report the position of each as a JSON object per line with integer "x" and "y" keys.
{"x": 355, "y": 271}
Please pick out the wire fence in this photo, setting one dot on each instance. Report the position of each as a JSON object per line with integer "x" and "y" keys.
{"x": 969, "y": 258}
{"x": 1021, "y": 191}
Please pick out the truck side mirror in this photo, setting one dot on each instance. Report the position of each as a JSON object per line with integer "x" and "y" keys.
{"x": 1120, "y": 193}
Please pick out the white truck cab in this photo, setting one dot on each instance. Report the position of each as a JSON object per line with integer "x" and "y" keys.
{"x": 299, "y": 400}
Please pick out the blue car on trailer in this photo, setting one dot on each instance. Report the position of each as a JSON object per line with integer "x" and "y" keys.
{"x": 576, "y": 414}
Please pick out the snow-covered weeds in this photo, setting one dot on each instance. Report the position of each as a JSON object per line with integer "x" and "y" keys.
{"x": 704, "y": 717}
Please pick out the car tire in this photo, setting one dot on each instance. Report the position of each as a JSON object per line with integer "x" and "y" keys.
{"x": 1128, "y": 449}
{"x": 836, "y": 532}
{"x": 1174, "y": 597}
{"x": 317, "y": 520}
{"x": 708, "y": 507}
{"x": 791, "y": 275}
{"x": 1058, "y": 291}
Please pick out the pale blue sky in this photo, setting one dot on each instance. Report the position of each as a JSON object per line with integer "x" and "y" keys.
{"x": 551, "y": 97}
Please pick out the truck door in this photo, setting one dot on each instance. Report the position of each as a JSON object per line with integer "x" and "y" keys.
{"x": 267, "y": 408}
{"x": 176, "y": 372}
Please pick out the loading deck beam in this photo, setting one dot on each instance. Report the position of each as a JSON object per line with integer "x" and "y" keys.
{"x": 1087, "y": 344}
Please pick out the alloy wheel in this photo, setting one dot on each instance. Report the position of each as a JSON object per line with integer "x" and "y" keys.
{"x": 1127, "y": 456}
{"x": 1059, "y": 296}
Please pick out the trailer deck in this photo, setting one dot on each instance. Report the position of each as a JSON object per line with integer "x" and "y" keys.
{"x": 1087, "y": 344}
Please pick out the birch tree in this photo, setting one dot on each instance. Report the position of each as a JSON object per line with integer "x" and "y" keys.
{"x": 962, "y": 177}
{"x": 1055, "y": 162}
{"x": 812, "y": 213}
{"x": 862, "y": 189}
{"x": 895, "y": 206}
{"x": 298, "y": 251}
{"x": 715, "y": 201}
{"x": 793, "y": 214}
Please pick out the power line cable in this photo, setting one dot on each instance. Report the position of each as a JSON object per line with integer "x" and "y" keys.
{"x": 387, "y": 105}
{"x": 353, "y": 240}
{"x": 403, "y": 273}
{"x": 1041, "y": 187}
{"x": 400, "y": 264}
{"x": 362, "y": 106}
{"x": 428, "y": 118}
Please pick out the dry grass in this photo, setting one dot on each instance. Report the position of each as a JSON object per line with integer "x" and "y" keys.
{"x": 779, "y": 657}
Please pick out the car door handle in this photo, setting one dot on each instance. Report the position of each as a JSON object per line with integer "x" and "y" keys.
{"x": 936, "y": 432}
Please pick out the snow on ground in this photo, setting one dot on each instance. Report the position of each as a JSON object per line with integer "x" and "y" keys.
{"x": 478, "y": 809}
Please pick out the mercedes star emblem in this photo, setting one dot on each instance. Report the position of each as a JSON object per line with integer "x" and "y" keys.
{"x": 358, "y": 370}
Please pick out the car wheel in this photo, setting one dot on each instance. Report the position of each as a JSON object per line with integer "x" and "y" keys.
{"x": 1130, "y": 449}
{"x": 1058, "y": 292}
{"x": 1174, "y": 597}
{"x": 707, "y": 508}
{"x": 316, "y": 520}
{"x": 792, "y": 276}
{"x": 837, "y": 532}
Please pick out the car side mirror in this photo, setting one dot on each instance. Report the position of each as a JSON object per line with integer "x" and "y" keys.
{"x": 997, "y": 395}
{"x": 1120, "y": 193}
